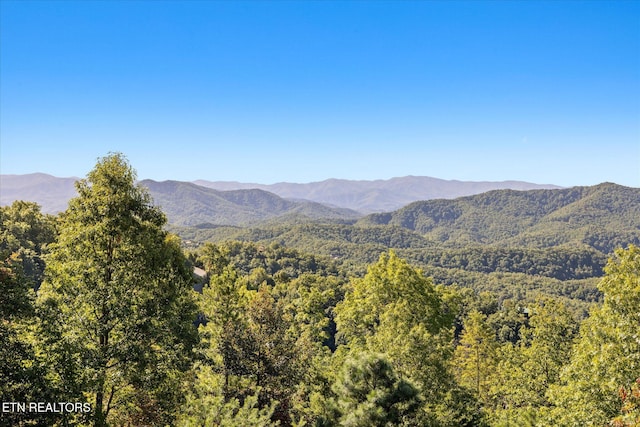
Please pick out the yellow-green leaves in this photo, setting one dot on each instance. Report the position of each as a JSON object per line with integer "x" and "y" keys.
{"x": 607, "y": 355}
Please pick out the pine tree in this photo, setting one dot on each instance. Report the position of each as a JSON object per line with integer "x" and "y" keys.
{"x": 370, "y": 393}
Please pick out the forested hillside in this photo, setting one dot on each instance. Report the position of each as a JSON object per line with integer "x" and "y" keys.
{"x": 189, "y": 204}
{"x": 508, "y": 242}
{"x": 318, "y": 323}
{"x": 53, "y": 193}
{"x": 603, "y": 216}
{"x": 378, "y": 195}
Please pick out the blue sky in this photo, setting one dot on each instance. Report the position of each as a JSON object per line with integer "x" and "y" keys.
{"x": 547, "y": 92}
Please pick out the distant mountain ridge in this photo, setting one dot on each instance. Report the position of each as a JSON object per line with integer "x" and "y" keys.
{"x": 184, "y": 203}
{"x": 53, "y": 193}
{"x": 602, "y": 217}
{"x": 378, "y": 195}
{"x": 50, "y": 192}
{"x": 189, "y": 204}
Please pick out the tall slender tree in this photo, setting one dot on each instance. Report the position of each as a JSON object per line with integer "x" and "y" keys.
{"x": 117, "y": 299}
{"x": 475, "y": 357}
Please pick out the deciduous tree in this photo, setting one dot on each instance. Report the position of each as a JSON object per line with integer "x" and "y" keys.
{"x": 117, "y": 300}
{"x": 607, "y": 355}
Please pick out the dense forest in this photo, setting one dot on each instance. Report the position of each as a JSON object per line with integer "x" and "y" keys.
{"x": 444, "y": 313}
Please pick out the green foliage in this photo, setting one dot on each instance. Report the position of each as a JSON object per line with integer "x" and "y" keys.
{"x": 396, "y": 311}
{"x": 370, "y": 393}
{"x": 265, "y": 261}
{"x": 536, "y": 218}
{"x": 352, "y": 247}
{"x": 562, "y": 263}
{"x": 607, "y": 354}
{"x": 25, "y": 234}
{"x": 22, "y": 373}
{"x": 519, "y": 245}
{"x": 117, "y": 303}
{"x": 248, "y": 340}
{"x": 296, "y": 330}
{"x": 207, "y": 405}
{"x": 475, "y": 358}
{"x": 391, "y": 289}
{"x": 528, "y": 368}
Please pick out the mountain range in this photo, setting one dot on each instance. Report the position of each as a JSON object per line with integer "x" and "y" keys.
{"x": 378, "y": 195}
{"x": 189, "y": 204}
{"x": 602, "y": 216}
{"x": 234, "y": 203}
{"x": 50, "y": 192}
{"x": 564, "y": 234}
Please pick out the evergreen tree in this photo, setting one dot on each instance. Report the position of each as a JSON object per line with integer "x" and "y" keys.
{"x": 207, "y": 405}
{"x": 249, "y": 352}
{"x": 370, "y": 393}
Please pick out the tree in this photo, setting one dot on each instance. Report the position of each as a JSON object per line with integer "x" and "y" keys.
{"x": 607, "y": 354}
{"x": 23, "y": 377}
{"x": 370, "y": 393}
{"x": 207, "y": 405}
{"x": 117, "y": 300}
{"x": 249, "y": 349}
{"x": 275, "y": 359}
{"x": 475, "y": 358}
{"x": 227, "y": 343}
{"x": 528, "y": 369}
{"x": 391, "y": 290}
{"x": 221, "y": 392}
{"x": 24, "y": 235}
{"x": 214, "y": 258}
{"x": 396, "y": 311}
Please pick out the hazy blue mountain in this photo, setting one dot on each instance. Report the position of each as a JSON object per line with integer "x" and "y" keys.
{"x": 53, "y": 193}
{"x": 378, "y": 195}
{"x": 184, "y": 203}
{"x": 50, "y": 192}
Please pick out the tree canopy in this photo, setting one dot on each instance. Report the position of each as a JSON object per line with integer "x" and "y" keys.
{"x": 123, "y": 288}
{"x": 98, "y": 307}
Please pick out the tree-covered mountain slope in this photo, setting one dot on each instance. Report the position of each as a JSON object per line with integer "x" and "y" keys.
{"x": 512, "y": 243}
{"x": 603, "y": 216}
{"x": 189, "y": 204}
